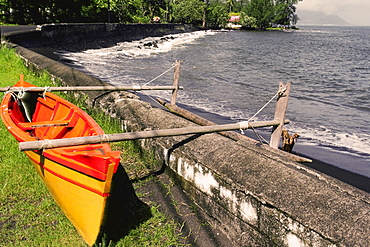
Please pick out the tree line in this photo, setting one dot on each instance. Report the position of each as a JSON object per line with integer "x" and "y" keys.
{"x": 259, "y": 14}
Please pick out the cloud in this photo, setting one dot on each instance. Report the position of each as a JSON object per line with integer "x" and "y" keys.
{"x": 353, "y": 11}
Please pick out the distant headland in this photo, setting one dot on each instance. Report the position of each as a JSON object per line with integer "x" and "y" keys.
{"x": 309, "y": 17}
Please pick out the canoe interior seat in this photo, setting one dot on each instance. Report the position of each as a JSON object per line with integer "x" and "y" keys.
{"x": 51, "y": 123}
{"x": 69, "y": 121}
{"x": 51, "y": 119}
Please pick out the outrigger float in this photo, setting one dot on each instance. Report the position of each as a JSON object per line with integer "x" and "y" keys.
{"x": 72, "y": 154}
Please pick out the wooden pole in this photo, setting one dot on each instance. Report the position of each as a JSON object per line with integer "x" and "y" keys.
{"x": 204, "y": 122}
{"x": 230, "y": 134}
{"x": 280, "y": 112}
{"x": 34, "y": 145}
{"x": 91, "y": 88}
{"x": 176, "y": 78}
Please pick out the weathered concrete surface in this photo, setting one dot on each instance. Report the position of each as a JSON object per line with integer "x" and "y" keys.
{"x": 255, "y": 197}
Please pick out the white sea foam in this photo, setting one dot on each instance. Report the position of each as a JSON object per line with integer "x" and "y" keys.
{"x": 353, "y": 142}
{"x": 141, "y": 48}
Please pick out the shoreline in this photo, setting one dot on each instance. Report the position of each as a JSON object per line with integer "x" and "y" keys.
{"x": 241, "y": 187}
{"x": 324, "y": 160}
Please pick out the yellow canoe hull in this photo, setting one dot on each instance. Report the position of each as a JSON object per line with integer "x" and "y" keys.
{"x": 84, "y": 207}
{"x": 78, "y": 177}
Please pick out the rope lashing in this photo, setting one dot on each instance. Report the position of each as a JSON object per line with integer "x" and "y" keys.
{"x": 278, "y": 93}
{"x": 260, "y": 138}
{"x": 17, "y": 93}
{"x": 282, "y": 91}
{"x": 46, "y": 89}
{"x": 263, "y": 107}
{"x": 15, "y": 97}
{"x": 46, "y": 144}
{"x": 243, "y": 125}
{"x": 172, "y": 66}
{"x": 20, "y": 91}
{"x": 155, "y": 78}
{"x": 105, "y": 138}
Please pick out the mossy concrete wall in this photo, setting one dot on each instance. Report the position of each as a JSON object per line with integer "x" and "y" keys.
{"x": 256, "y": 197}
{"x": 77, "y": 37}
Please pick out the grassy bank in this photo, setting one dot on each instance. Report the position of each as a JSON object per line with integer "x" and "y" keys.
{"x": 28, "y": 214}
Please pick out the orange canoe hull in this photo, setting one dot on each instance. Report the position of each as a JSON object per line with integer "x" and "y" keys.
{"x": 78, "y": 177}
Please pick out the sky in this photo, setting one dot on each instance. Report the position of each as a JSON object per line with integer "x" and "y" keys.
{"x": 355, "y": 12}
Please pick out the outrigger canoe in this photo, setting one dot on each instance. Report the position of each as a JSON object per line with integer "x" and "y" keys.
{"x": 78, "y": 177}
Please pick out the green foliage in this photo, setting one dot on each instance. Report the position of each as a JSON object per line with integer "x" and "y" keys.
{"x": 35, "y": 11}
{"x": 217, "y": 15}
{"x": 267, "y": 13}
{"x": 285, "y": 12}
{"x": 209, "y": 13}
{"x": 247, "y": 21}
{"x": 233, "y": 14}
{"x": 46, "y": 11}
{"x": 262, "y": 11}
{"x": 93, "y": 13}
{"x": 141, "y": 19}
{"x": 188, "y": 11}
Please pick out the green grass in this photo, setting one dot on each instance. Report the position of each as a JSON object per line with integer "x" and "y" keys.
{"x": 151, "y": 236}
{"x": 28, "y": 214}
{"x": 281, "y": 28}
{"x": 7, "y": 24}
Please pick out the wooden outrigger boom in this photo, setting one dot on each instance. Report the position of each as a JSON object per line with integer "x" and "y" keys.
{"x": 230, "y": 134}
{"x": 47, "y": 144}
{"x": 90, "y": 88}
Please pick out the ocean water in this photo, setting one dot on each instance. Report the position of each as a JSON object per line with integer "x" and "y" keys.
{"x": 234, "y": 73}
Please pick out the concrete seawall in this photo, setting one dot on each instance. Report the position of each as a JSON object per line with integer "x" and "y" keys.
{"x": 78, "y": 37}
{"x": 257, "y": 198}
